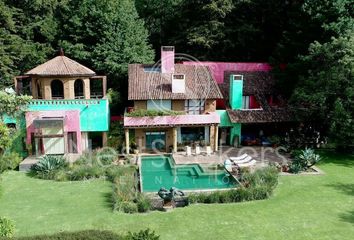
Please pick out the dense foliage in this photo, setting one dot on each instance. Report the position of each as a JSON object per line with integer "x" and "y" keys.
{"x": 152, "y": 113}
{"x": 104, "y": 35}
{"x": 9, "y": 161}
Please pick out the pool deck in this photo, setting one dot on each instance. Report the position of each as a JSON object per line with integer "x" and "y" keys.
{"x": 263, "y": 156}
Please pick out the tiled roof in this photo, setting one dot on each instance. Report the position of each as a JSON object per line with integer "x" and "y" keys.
{"x": 144, "y": 85}
{"x": 261, "y": 116}
{"x": 61, "y": 66}
{"x": 253, "y": 82}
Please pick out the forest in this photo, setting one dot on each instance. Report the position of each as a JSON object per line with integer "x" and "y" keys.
{"x": 310, "y": 43}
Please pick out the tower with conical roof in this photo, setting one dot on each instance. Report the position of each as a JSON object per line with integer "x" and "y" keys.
{"x": 69, "y": 113}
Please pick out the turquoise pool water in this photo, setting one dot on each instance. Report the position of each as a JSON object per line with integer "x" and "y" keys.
{"x": 161, "y": 171}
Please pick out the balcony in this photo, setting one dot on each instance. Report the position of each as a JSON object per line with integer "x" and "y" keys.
{"x": 170, "y": 121}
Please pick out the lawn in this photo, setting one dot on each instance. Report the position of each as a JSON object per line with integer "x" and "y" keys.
{"x": 302, "y": 207}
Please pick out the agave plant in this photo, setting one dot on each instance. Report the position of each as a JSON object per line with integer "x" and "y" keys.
{"x": 304, "y": 160}
{"x": 49, "y": 164}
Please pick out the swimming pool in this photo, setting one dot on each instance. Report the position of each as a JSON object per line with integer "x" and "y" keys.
{"x": 161, "y": 171}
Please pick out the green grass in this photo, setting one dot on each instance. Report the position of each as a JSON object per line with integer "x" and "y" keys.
{"x": 303, "y": 207}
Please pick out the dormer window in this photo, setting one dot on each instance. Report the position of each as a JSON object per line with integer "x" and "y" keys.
{"x": 178, "y": 83}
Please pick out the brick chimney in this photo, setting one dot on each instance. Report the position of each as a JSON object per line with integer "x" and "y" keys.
{"x": 167, "y": 59}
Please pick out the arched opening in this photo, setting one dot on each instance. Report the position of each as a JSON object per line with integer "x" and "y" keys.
{"x": 79, "y": 89}
{"x": 57, "y": 89}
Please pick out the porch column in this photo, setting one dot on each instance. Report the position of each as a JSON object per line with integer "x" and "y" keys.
{"x": 126, "y": 132}
{"x": 174, "y": 139}
{"x": 216, "y": 137}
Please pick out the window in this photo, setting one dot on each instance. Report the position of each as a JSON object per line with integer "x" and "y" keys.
{"x": 57, "y": 89}
{"x": 162, "y": 105}
{"x": 79, "y": 89}
{"x": 155, "y": 140}
{"x": 194, "y": 106}
{"x": 96, "y": 88}
{"x": 72, "y": 142}
{"x": 245, "y": 102}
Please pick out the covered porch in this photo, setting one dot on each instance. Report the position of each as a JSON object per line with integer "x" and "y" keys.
{"x": 171, "y": 133}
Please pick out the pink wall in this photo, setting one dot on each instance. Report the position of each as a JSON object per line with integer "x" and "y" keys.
{"x": 71, "y": 123}
{"x": 218, "y": 68}
{"x": 167, "y": 60}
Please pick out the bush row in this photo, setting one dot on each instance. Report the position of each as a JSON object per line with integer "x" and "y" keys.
{"x": 255, "y": 186}
{"x": 87, "y": 167}
{"x": 96, "y": 235}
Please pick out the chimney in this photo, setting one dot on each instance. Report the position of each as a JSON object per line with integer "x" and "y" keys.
{"x": 167, "y": 59}
{"x": 236, "y": 91}
{"x": 178, "y": 83}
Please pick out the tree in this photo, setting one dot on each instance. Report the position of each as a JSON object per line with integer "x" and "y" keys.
{"x": 12, "y": 105}
{"x": 26, "y": 32}
{"x": 326, "y": 88}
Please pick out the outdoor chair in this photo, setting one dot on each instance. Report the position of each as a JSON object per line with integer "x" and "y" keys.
{"x": 189, "y": 151}
{"x": 197, "y": 150}
{"x": 243, "y": 156}
{"x": 245, "y": 160}
{"x": 208, "y": 150}
{"x": 248, "y": 164}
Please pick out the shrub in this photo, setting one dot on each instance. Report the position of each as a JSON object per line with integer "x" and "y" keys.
{"x": 106, "y": 156}
{"x": 126, "y": 207}
{"x": 116, "y": 172}
{"x": 9, "y": 161}
{"x": 143, "y": 235}
{"x": 84, "y": 172}
{"x": 143, "y": 203}
{"x": 61, "y": 175}
{"x": 304, "y": 160}
{"x": 152, "y": 113}
{"x": 48, "y": 165}
{"x": 7, "y": 227}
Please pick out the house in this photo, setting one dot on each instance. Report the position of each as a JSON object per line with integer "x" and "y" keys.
{"x": 252, "y": 107}
{"x": 185, "y": 97}
{"x": 69, "y": 113}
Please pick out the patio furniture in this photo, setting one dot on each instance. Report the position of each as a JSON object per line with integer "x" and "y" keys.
{"x": 228, "y": 165}
{"x": 248, "y": 164}
{"x": 243, "y": 156}
{"x": 208, "y": 150}
{"x": 197, "y": 150}
{"x": 189, "y": 151}
{"x": 245, "y": 160}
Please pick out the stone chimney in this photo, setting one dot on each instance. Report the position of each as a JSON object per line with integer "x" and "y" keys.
{"x": 167, "y": 59}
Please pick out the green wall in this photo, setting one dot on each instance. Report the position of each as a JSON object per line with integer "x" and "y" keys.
{"x": 94, "y": 114}
{"x": 225, "y": 122}
{"x": 236, "y": 91}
